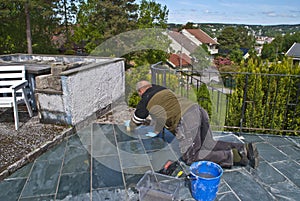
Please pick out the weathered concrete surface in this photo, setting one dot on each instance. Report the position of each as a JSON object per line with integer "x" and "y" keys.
{"x": 78, "y": 93}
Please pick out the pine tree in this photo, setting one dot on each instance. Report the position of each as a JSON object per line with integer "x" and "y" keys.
{"x": 43, "y": 22}
{"x": 99, "y": 20}
{"x": 203, "y": 98}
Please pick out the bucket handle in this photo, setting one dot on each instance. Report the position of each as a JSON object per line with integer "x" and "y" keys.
{"x": 188, "y": 177}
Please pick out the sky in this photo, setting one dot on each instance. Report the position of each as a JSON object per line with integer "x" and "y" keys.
{"x": 251, "y": 12}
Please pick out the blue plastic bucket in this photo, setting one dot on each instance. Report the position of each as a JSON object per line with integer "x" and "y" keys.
{"x": 205, "y": 180}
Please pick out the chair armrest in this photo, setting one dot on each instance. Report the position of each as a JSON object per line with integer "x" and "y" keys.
{"x": 19, "y": 85}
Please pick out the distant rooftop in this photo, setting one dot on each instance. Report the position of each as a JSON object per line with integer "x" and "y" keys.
{"x": 294, "y": 51}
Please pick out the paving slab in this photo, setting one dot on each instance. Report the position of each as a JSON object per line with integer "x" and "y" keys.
{"x": 105, "y": 162}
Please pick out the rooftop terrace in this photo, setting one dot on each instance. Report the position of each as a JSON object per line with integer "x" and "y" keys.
{"x": 102, "y": 161}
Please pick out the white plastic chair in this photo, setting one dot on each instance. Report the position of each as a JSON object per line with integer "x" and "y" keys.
{"x": 12, "y": 89}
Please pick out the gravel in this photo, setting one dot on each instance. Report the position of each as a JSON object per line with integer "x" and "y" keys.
{"x": 16, "y": 144}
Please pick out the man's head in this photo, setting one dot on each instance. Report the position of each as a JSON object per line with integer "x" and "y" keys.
{"x": 142, "y": 86}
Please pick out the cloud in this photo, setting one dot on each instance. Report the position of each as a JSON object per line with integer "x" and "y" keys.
{"x": 274, "y": 14}
{"x": 270, "y": 14}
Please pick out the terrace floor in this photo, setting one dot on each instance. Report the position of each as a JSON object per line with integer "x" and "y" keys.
{"x": 105, "y": 162}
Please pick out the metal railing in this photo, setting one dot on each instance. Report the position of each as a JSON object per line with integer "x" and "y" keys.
{"x": 247, "y": 102}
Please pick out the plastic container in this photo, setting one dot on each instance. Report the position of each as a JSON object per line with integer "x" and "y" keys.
{"x": 155, "y": 186}
{"x": 205, "y": 180}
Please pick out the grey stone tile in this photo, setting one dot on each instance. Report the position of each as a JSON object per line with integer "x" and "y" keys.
{"x": 107, "y": 172}
{"x": 77, "y": 159}
{"x": 245, "y": 187}
{"x": 129, "y": 160}
{"x": 277, "y": 140}
{"x": 122, "y": 135}
{"x": 22, "y": 173}
{"x": 223, "y": 187}
{"x": 85, "y": 131}
{"x": 226, "y": 196}
{"x": 155, "y": 143}
{"x": 103, "y": 129}
{"x": 43, "y": 178}
{"x": 74, "y": 185}
{"x": 290, "y": 169}
{"x": 285, "y": 191}
{"x": 74, "y": 140}
{"x": 136, "y": 170}
{"x": 228, "y": 138}
{"x": 185, "y": 190}
{"x": 102, "y": 146}
{"x": 270, "y": 153}
{"x": 11, "y": 189}
{"x": 143, "y": 130}
{"x": 291, "y": 151}
{"x": 268, "y": 174}
{"x": 133, "y": 175}
{"x": 56, "y": 153}
{"x": 160, "y": 157}
{"x": 39, "y": 198}
{"x": 85, "y": 139}
{"x": 252, "y": 138}
{"x": 295, "y": 140}
{"x": 132, "y": 146}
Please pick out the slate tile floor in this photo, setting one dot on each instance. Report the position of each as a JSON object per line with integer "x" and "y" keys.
{"x": 104, "y": 162}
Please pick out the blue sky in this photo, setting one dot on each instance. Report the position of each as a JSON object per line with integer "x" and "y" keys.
{"x": 260, "y": 12}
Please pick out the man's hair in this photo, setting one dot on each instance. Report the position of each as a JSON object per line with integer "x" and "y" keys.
{"x": 142, "y": 84}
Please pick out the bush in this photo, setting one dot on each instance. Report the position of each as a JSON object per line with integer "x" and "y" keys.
{"x": 133, "y": 99}
{"x": 203, "y": 99}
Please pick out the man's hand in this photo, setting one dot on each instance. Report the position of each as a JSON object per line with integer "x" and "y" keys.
{"x": 151, "y": 134}
{"x": 127, "y": 123}
{"x": 128, "y": 126}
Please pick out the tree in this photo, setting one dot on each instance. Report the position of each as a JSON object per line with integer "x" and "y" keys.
{"x": 265, "y": 101}
{"x": 28, "y": 29}
{"x": 152, "y": 19}
{"x": 203, "y": 98}
{"x": 152, "y": 14}
{"x": 67, "y": 10}
{"x": 98, "y": 21}
{"x": 201, "y": 59}
{"x": 228, "y": 39}
{"x": 14, "y": 15}
{"x": 189, "y": 25}
{"x": 235, "y": 38}
{"x": 279, "y": 46}
{"x": 236, "y": 55}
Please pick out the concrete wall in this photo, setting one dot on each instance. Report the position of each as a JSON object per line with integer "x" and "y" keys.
{"x": 83, "y": 91}
{"x": 35, "y": 58}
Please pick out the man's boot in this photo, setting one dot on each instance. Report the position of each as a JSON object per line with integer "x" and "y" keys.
{"x": 252, "y": 155}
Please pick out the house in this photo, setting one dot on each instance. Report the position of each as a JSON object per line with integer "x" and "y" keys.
{"x": 199, "y": 37}
{"x": 179, "y": 61}
{"x": 181, "y": 44}
{"x": 245, "y": 52}
{"x": 294, "y": 52}
{"x": 260, "y": 41}
{"x": 185, "y": 43}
